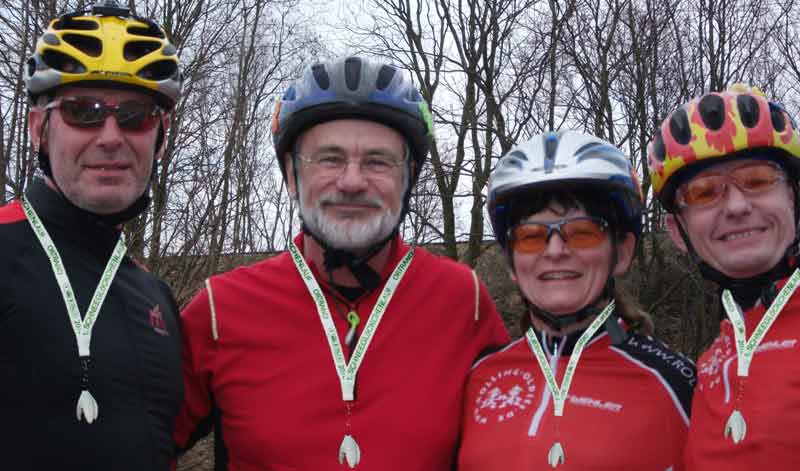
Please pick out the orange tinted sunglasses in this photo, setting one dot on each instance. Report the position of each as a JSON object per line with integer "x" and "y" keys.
{"x": 581, "y": 232}
{"x": 707, "y": 189}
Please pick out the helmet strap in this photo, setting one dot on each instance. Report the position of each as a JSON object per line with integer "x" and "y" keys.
{"x": 358, "y": 265}
{"x": 559, "y": 322}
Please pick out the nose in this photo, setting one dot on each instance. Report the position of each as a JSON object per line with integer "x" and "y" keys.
{"x": 351, "y": 180}
{"x": 556, "y": 246}
{"x": 735, "y": 201}
{"x": 110, "y": 136}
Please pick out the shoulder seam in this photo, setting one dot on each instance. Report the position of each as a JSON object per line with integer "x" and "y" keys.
{"x": 212, "y": 311}
{"x": 507, "y": 347}
{"x": 477, "y": 285}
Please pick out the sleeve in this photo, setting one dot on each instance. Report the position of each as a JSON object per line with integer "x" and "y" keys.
{"x": 199, "y": 347}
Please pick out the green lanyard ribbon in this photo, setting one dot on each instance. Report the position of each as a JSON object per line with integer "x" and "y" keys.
{"x": 349, "y": 450}
{"x": 347, "y": 370}
{"x": 556, "y": 455}
{"x": 87, "y": 405}
{"x": 736, "y": 427}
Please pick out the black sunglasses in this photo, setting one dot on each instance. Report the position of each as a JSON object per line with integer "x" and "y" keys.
{"x": 87, "y": 112}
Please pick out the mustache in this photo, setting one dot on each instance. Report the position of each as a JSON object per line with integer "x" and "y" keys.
{"x": 341, "y": 198}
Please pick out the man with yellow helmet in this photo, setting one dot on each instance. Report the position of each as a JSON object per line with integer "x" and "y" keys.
{"x": 726, "y": 165}
{"x": 89, "y": 343}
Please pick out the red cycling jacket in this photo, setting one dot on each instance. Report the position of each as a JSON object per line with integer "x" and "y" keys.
{"x": 263, "y": 360}
{"x": 627, "y": 408}
{"x": 769, "y": 398}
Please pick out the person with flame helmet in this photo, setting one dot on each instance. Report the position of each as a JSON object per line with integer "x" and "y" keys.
{"x": 349, "y": 351}
{"x": 89, "y": 341}
{"x": 725, "y": 166}
{"x": 565, "y": 208}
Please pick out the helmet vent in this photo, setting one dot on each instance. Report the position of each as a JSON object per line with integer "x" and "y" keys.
{"x": 352, "y": 73}
{"x": 152, "y": 31}
{"x": 160, "y": 70}
{"x": 776, "y": 116}
{"x": 31, "y": 67}
{"x": 748, "y": 110}
{"x": 385, "y": 76}
{"x": 515, "y": 159}
{"x": 62, "y": 62}
{"x": 321, "y": 76}
{"x": 51, "y": 39}
{"x": 513, "y": 163}
{"x": 518, "y": 155}
{"x": 66, "y": 22}
{"x": 138, "y": 49}
{"x": 606, "y": 152}
{"x": 679, "y": 127}
{"x": 658, "y": 146}
{"x": 88, "y": 45}
{"x": 712, "y": 110}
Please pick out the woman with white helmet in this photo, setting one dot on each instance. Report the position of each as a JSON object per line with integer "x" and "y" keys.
{"x": 565, "y": 208}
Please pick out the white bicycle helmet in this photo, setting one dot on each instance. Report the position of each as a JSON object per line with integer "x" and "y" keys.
{"x": 558, "y": 160}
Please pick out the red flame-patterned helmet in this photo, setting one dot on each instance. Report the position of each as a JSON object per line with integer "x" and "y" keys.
{"x": 715, "y": 126}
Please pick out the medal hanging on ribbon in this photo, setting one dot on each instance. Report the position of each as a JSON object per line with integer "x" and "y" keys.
{"x": 87, "y": 407}
{"x": 736, "y": 426}
{"x": 349, "y": 451}
{"x": 556, "y": 455}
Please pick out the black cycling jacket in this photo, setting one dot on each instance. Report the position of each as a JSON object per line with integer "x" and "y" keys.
{"x": 135, "y": 373}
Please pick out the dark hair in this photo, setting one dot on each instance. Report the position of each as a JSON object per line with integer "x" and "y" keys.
{"x": 596, "y": 204}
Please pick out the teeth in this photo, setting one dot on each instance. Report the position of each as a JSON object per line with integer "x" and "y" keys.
{"x": 560, "y": 275}
{"x": 740, "y": 235}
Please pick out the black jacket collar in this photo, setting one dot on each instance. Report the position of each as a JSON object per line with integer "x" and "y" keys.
{"x": 65, "y": 220}
{"x": 566, "y": 343}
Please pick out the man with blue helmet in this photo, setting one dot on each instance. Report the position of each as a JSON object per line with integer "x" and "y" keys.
{"x": 350, "y": 350}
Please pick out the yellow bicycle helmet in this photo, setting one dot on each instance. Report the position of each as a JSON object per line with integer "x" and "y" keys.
{"x": 719, "y": 125}
{"x": 106, "y": 46}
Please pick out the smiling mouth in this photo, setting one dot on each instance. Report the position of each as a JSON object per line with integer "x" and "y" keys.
{"x": 559, "y": 275}
{"x": 741, "y": 235}
{"x": 106, "y": 168}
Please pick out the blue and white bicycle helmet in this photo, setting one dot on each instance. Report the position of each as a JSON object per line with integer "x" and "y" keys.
{"x": 353, "y": 88}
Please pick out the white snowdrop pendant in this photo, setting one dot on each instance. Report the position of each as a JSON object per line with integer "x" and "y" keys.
{"x": 87, "y": 407}
{"x": 736, "y": 427}
{"x": 556, "y": 455}
{"x": 349, "y": 451}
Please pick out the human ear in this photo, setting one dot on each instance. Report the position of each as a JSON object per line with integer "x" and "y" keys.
{"x": 166, "y": 122}
{"x": 625, "y": 251}
{"x": 674, "y": 232}
{"x": 36, "y": 128}
{"x": 290, "y": 182}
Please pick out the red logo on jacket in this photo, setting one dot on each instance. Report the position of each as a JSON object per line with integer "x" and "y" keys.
{"x": 157, "y": 321}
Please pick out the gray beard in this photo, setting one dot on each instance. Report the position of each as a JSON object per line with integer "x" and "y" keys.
{"x": 348, "y": 234}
